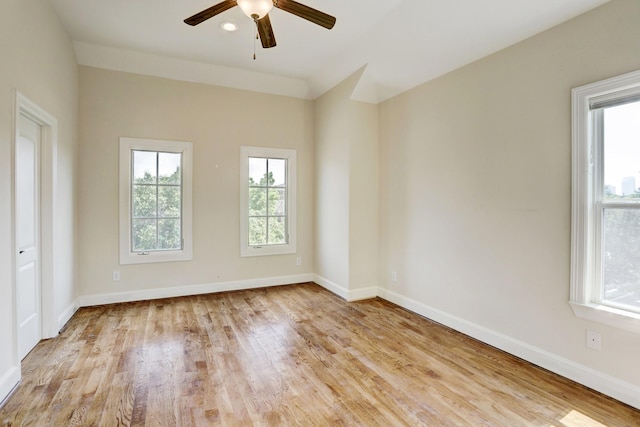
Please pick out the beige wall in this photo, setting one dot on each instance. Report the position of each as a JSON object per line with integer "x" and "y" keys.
{"x": 363, "y": 195}
{"x": 37, "y": 60}
{"x": 332, "y": 185}
{"x": 346, "y": 182}
{"x": 218, "y": 121}
{"x": 476, "y": 189}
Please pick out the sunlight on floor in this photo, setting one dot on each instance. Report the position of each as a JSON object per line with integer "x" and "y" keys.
{"x": 578, "y": 419}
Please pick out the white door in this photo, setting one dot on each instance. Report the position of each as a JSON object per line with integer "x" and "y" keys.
{"x": 28, "y": 299}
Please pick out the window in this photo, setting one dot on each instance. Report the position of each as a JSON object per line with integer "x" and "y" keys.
{"x": 155, "y": 200}
{"x": 605, "y": 276}
{"x": 267, "y": 201}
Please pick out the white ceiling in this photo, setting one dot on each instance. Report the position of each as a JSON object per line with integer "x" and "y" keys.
{"x": 403, "y": 43}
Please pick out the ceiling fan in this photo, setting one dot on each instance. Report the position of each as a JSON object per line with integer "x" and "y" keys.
{"x": 258, "y": 10}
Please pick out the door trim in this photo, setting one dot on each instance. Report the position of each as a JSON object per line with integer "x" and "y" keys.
{"x": 48, "y": 190}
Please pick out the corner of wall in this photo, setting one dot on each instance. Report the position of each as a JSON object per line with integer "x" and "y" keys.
{"x": 365, "y": 89}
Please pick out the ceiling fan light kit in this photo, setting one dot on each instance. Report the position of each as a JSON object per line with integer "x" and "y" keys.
{"x": 258, "y": 11}
{"x": 255, "y": 9}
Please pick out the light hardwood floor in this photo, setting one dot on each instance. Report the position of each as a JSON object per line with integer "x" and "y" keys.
{"x": 290, "y": 355}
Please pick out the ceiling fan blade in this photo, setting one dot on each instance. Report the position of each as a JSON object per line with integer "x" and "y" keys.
{"x": 266, "y": 32}
{"x": 210, "y": 13}
{"x": 306, "y": 12}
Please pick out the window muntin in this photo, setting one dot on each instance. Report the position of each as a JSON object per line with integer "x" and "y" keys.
{"x": 268, "y": 196}
{"x": 605, "y": 206}
{"x": 155, "y": 201}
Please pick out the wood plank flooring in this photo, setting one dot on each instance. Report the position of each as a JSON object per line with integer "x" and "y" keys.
{"x": 291, "y": 355}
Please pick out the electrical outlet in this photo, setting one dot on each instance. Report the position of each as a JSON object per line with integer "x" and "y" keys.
{"x": 394, "y": 276}
{"x": 116, "y": 276}
{"x": 594, "y": 340}
{"x": 299, "y": 261}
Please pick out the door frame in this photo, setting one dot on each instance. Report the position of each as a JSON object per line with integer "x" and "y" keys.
{"x": 48, "y": 188}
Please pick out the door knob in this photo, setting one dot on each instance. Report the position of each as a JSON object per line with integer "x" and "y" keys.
{"x": 21, "y": 252}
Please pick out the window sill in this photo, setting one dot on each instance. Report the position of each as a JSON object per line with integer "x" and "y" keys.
{"x": 249, "y": 251}
{"x": 620, "y": 319}
{"x": 170, "y": 256}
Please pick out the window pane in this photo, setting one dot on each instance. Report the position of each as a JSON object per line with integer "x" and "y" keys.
{"x": 277, "y": 201}
{"x": 169, "y": 202}
{"x": 144, "y": 234}
{"x": 276, "y": 230}
{"x": 278, "y": 172}
{"x": 257, "y": 201}
{"x": 144, "y": 201}
{"x": 257, "y": 231}
{"x": 257, "y": 171}
{"x": 621, "y": 257}
{"x": 144, "y": 167}
{"x": 152, "y": 201}
{"x": 169, "y": 168}
{"x": 622, "y": 151}
{"x": 169, "y": 235}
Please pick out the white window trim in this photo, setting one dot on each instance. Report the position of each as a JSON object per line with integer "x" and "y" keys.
{"x": 583, "y": 213}
{"x": 186, "y": 148}
{"x": 245, "y": 249}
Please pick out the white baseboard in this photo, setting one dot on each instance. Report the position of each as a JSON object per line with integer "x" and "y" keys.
{"x": 66, "y": 316}
{"x": 344, "y": 293}
{"x": 606, "y": 384}
{"x": 332, "y": 287}
{"x": 179, "y": 291}
{"x": 8, "y": 382}
{"x": 362, "y": 294}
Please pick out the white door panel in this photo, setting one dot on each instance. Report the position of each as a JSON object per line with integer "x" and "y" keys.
{"x": 26, "y": 152}
{"x": 28, "y": 299}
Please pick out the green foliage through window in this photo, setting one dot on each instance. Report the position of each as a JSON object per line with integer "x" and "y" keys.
{"x": 267, "y": 201}
{"x": 156, "y": 201}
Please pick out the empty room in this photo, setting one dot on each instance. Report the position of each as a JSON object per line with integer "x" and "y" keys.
{"x": 310, "y": 213}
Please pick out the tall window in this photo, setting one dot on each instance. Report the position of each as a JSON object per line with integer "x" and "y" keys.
{"x": 606, "y": 202}
{"x": 267, "y": 201}
{"x": 156, "y": 201}
{"x": 155, "y": 197}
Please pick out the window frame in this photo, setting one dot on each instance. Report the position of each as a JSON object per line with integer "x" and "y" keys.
{"x": 247, "y": 250}
{"x": 586, "y": 210}
{"x": 127, "y": 146}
